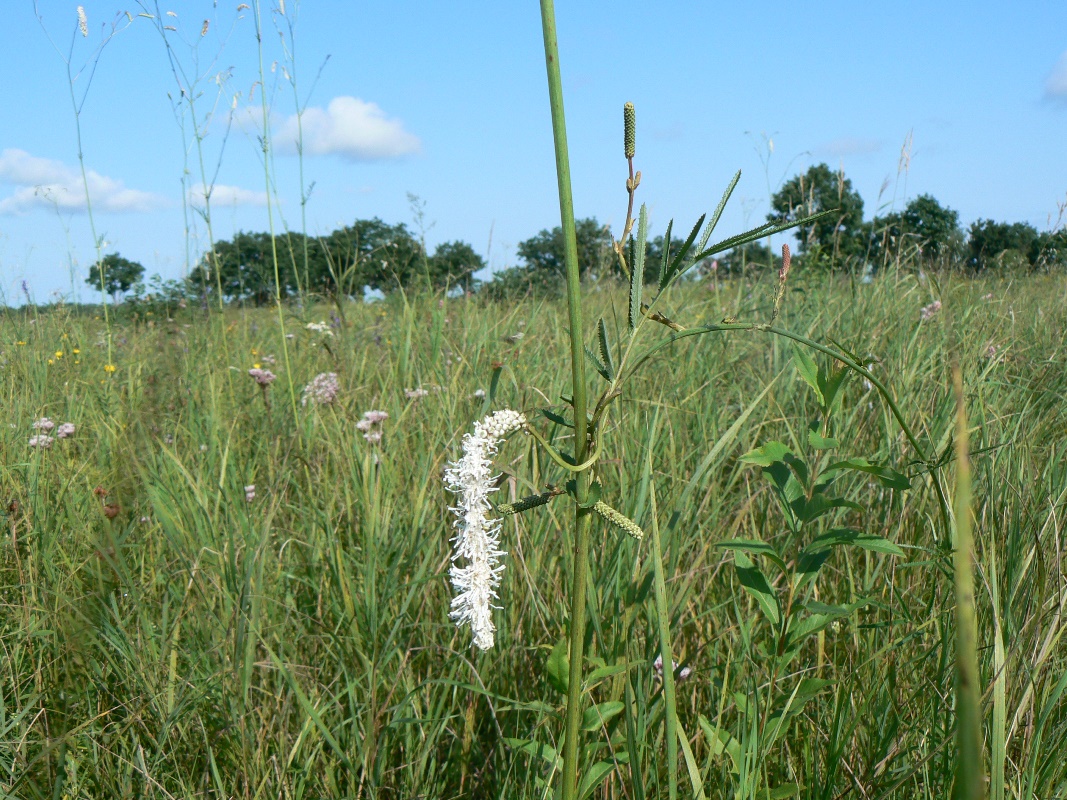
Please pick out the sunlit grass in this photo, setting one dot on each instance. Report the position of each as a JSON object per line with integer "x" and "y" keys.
{"x": 298, "y": 644}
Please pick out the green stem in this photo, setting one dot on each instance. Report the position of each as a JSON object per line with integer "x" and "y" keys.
{"x": 578, "y": 384}
{"x": 663, "y": 616}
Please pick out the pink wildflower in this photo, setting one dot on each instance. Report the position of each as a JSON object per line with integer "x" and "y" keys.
{"x": 264, "y": 377}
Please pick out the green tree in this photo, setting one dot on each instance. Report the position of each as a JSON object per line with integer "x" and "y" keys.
{"x": 245, "y": 266}
{"x": 833, "y": 238}
{"x": 991, "y": 244}
{"x": 456, "y": 262}
{"x": 372, "y": 253}
{"x": 543, "y": 253}
{"x": 119, "y": 274}
{"x": 934, "y": 230}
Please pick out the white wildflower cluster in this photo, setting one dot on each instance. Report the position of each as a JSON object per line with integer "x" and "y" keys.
{"x": 679, "y": 674}
{"x": 320, "y": 327}
{"x": 371, "y": 425}
{"x": 44, "y": 427}
{"x": 415, "y": 394}
{"x": 250, "y": 493}
{"x": 477, "y": 539}
{"x": 928, "y": 311}
{"x": 322, "y": 390}
{"x": 264, "y": 377}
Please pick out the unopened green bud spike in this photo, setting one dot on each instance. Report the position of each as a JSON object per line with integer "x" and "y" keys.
{"x": 629, "y": 129}
{"x": 526, "y": 503}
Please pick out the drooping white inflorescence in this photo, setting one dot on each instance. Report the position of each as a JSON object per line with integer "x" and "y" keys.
{"x": 477, "y": 539}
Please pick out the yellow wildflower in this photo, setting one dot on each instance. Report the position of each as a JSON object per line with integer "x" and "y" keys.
{"x": 109, "y": 368}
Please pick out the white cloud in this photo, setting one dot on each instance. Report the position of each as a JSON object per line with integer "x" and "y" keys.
{"x": 850, "y": 146}
{"x": 46, "y": 183}
{"x": 1056, "y": 83}
{"x": 352, "y": 128}
{"x": 223, "y": 195}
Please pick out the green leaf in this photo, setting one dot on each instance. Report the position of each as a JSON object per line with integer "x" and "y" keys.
{"x": 779, "y": 792}
{"x": 821, "y": 442}
{"x": 830, "y": 385}
{"x": 767, "y": 454}
{"x": 846, "y": 536}
{"x": 676, "y": 263}
{"x": 818, "y": 505}
{"x": 598, "y": 365}
{"x": 552, "y": 416}
{"x": 605, "y": 349}
{"x": 756, "y": 584}
{"x": 887, "y": 476}
{"x": 596, "y": 715}
{"x": 557, "y": 668}
{"x": 638, "y": 271}
{"x": 605, "y": 672}
{"x": 767, "y": 229}
{"x": 754, "y": 546}
{"x": 808, "y": 370}
{"x": 720, "y": 743}
{"x": 595, "y": 490}
{"x": 536, "y": 749}
{"x": 593, "y": 777}
{"x": 664, "y": 276}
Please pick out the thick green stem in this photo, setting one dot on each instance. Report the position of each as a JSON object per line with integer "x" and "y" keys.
{"x": 574, "y": 305}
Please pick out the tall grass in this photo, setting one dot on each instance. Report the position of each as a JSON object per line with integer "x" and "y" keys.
{"x": 299, "y": 645}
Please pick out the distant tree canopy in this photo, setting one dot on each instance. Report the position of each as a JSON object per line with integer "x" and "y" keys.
{"x": 838, "y": 236}
{"x": 119, "y": 274}
{"x": 367, "y": 253}
{"x": 544, "y": 252}
{"x": 926, "y": 225}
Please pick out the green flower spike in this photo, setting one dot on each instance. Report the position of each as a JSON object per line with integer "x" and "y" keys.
{"x": 619, "y": 520}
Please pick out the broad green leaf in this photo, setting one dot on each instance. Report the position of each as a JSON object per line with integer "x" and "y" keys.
{"x": 754, "y": 546}
{"x": 767, "y": 454}
{"x": 821, "y": 442}
{"x": 557, "y": 668}
{"x": 830, "y": 384}
{"x": 819, "y": 504}
{"x": 808, "y": 370}
{"x": 597, "y": 715}
{"x": 593, "y": 777}
{"x": 887, "y": 476}
{"x": 846, "y": 536}
{"x": 605, "y": 672}
{"x": 536, "y": 749}
{"x": 756, "y": 584}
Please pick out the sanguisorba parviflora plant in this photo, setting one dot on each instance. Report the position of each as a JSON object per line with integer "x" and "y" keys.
{"x": 789, "y": 605}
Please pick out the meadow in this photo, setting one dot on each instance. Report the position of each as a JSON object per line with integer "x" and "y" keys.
{"x": 211, "y": 589}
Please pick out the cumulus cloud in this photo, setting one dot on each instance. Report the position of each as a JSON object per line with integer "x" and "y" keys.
{"x": 47, "y": 183}
{"x": 352, "y": 128}
{"x": 850, "y": 146}
{"x": 1056, "y": 83}
{"x": 223, "y": 195}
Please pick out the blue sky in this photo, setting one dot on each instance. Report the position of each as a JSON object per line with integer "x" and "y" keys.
{"x": 448, "y": 101}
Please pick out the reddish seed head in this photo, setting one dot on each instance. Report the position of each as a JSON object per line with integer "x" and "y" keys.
{"x": 111, "y": 510}
{"x": 786, "y": 259}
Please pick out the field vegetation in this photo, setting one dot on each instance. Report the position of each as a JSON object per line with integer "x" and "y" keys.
{"x": 212, "y": 589}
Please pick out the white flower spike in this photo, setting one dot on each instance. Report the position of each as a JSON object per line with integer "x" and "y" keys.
{"x": 477, "y": 539}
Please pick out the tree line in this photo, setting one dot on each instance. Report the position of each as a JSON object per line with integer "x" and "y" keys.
{"x": 253, "y": 267}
